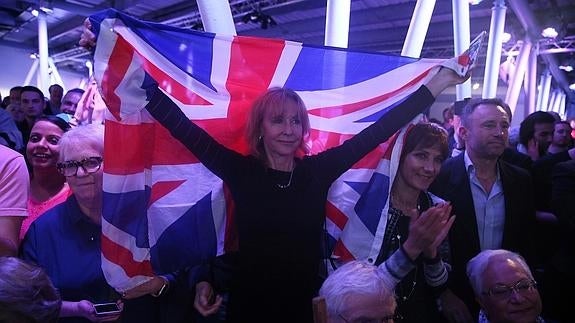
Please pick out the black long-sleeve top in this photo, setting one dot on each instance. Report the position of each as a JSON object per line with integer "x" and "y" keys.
{"x": 280, "y": 229}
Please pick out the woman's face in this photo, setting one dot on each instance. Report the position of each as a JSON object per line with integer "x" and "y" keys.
{"x": 87, "y": 187}
{"x": 282, "y": 132}
{"x": 42, "y": 148}
{"x": 420, "y": 167}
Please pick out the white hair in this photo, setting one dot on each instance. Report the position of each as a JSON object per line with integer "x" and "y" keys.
{"x": 355, "y": 277}
{"x": 478, "y": 264}
{"x": 91, "y": 135}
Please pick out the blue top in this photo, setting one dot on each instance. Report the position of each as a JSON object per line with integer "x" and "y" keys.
{"x": 66, "y": 243}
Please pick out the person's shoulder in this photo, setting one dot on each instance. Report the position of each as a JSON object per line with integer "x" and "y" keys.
{"x": 53, "y": 216}
{"x": 448, "y": 165}
{"x": 9, "y": 154}
{"x": 567, "y": 167}
{"x": 512, "y": 169}
{"x": 11, "y": 160}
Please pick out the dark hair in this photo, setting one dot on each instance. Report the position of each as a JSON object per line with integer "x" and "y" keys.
{"x": 61, "y": 123}
{"x": 564, "y": 122}
{"x": 30, "y": 88}
{"x": 425, "y": 135}
{"x": 16, "y": 88}
{"x": 472, "y": 104}
{"x": 527, "y": 128}
{"x": 53, "y": 86}
{"x": 75, "y": 90}
{"x": 26, "y": 293}
{"x": 449, "y": 111}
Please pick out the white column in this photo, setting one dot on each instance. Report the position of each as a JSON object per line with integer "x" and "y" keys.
{"x": 336, "y": 34}
{"x": 337, "y": 23}
{"x": 418, "y": 28}
{"x": 561, "y": 109}
{"x": 531, "y": 82}
{"x": 31, "y": 72}
{"x": 217, "y": 16}
{"x": 461, "y": 40}
{"x": 515, "y": 85}
{"x": 56, "y": 77}
{"x": 43, "y": 77}
{"x": 494, "y": 49}
{"x": 544, "y": 91}
{"x": 552, "y": 99}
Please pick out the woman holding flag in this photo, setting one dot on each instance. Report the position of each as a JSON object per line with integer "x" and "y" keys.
{"x": 280, "y": 199}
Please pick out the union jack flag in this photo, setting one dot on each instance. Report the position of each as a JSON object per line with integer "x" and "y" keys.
{"x": 162, "y": 209}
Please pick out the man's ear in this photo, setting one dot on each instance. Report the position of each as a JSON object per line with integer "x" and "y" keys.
{"x": 462, "y": 132}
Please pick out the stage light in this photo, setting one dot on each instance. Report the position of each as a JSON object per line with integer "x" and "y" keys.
{"x": 549, "y": 32}
{"x": 198, "y": 26}
{"x": 259, "y": 18}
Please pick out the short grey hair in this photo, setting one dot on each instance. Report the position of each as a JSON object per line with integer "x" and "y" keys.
{"x": 478, "y": 264}
{"x": 91, "y": 135}
{"x": 354, "y": 277}
{"x": 26, "y": 293}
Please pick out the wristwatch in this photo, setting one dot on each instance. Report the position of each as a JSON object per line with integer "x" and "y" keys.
{"x": 164, "y": 287}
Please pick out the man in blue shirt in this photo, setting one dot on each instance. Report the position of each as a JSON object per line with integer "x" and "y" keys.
{"x": 493, "y": 200}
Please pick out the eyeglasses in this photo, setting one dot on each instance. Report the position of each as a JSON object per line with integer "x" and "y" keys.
{"x": 386, "y": 319}
{"x": 89, "y": 165}
{"x": 522, "y": 287}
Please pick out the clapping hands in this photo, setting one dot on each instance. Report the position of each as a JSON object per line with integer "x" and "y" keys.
{"x": 427, "y": 230}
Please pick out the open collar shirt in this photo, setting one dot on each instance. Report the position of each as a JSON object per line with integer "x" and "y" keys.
{"x": 489, "y": 208}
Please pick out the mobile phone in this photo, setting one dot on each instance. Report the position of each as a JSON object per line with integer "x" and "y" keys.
{"x": 107, "y": 308}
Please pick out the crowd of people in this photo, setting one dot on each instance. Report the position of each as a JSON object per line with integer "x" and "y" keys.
{"x": 459, "y": 245}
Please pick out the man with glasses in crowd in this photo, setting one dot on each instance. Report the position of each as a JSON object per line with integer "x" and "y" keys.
{"x": 504, "y": 287}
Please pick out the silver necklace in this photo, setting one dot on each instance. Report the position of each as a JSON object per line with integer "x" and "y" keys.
{"x": 289, "y": 182}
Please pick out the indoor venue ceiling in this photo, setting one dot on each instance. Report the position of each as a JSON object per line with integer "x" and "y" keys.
{"x": 375, "y": 25}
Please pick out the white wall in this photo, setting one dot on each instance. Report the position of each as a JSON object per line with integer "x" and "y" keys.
{"x": 15, "y": 66}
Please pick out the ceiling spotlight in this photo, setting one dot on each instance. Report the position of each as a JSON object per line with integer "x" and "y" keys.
{"x": 505, "y": 37}
{"x": 258, "y": 17}
{"x": 253, "y": 16}
{"x": 34, "y": 12}
{"x": 475, "y": 86}
{"x": 34, "y": 56}
{"x": 198, "y": 26}
{"x": 572, "y": 87}
{"x": 566, "y": 68}
{"x": 267, "y": 21}
{"x": 474, "y": 2}
{"x": 549, "y": 32}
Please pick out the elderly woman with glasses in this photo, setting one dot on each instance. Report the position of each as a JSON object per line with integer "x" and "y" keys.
{"x": 66, "y": 241}
{"x": 504, "y": 287}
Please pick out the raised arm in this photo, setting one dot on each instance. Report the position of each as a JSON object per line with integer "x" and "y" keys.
{"x": 215, "y": 156}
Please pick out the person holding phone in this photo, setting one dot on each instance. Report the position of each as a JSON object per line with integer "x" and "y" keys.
{"x": 66, "y": 242}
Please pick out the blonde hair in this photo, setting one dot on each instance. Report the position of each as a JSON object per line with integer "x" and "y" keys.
{"x": 277, "y": 99}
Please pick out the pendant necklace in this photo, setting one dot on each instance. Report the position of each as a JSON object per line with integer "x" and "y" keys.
{"x": 282, "y": 186}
